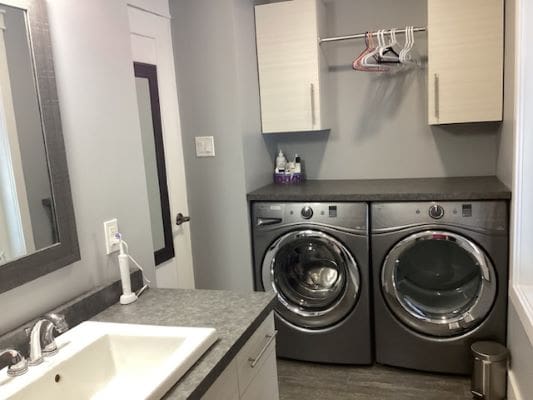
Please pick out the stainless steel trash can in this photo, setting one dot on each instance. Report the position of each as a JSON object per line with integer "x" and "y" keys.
{"x": 489, "y": 378}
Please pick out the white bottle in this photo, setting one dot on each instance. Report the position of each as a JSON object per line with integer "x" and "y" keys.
{"x": 281, "y": 162}
{"x": 297, "y": 164}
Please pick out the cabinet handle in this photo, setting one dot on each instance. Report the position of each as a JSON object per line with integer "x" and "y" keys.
{"x": 313, "y": 112}
{"x": 254, "y": 360}
{"x": 436, "y": 81}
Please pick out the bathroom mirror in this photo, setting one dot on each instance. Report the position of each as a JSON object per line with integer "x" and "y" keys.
{"x": 37, "y": 227}
{"x": 154, "y": 160}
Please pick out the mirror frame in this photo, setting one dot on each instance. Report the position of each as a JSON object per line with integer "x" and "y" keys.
{"x": 59, "y": 255}
{"x": 149, "y": 72}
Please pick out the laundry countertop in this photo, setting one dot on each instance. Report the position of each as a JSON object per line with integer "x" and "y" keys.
{"x": 419, "y": 189}
{"x": 235, "y": 316}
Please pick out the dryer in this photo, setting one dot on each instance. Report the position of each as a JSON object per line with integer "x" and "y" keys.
{"x": 315, "y": 257}
{"x": 440, "y": 273}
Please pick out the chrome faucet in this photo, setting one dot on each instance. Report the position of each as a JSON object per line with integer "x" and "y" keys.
{"x": 47, "y": 346}
{"x": 17, "y": 364}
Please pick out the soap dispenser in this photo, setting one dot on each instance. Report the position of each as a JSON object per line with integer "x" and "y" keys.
{"x": 281, "y": 162}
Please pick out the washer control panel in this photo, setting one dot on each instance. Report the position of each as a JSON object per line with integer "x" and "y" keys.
{"x": 353, "y": 216}
{"x": 436, "y": 211}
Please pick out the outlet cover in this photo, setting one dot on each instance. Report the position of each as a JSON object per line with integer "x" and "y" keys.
{"x": 205, "y": 146}
{"x": 110, "y": 230}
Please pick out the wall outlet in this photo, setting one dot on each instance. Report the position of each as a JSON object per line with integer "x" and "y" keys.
{"x": 205, "y": 146}
{"x": 112, "y": 244}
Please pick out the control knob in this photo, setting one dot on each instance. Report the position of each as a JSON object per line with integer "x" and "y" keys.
{"x": 436, "y": 211}
{"x": 307, "y": 212}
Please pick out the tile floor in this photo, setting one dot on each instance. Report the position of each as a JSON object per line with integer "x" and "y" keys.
{"x": 307, "y": 381}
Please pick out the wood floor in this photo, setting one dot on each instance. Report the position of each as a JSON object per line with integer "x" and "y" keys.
{"x": 307, "y": 381}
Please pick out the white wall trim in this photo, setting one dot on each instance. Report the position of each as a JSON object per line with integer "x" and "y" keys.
{"x": 22, "y": 4}
{"x": 522, "y": 299}
{"x": 513, "y": 391}
{"x": 140, "y": 5}
{"x": 521, "y": 290}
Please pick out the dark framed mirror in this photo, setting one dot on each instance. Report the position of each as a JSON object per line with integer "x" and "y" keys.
{"x": 154, "y": 160}
{"x": 37, "y": 225}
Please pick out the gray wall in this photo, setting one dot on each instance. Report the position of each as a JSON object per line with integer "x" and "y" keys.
{"x": 507, "y": 137}
{"x": 380, "y": 125}
{"x": 215, "y": 56}
{"x": 379, "y": 121}
{"x": 100, "y": 121}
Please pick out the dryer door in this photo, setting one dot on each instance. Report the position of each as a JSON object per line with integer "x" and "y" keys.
{"x": 314, "y": 276}
{"x": 438, "y": 283}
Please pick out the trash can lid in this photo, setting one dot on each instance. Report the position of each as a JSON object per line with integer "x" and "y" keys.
{"x": 490, "y": 351}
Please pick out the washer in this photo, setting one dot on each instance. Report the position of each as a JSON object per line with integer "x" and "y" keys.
{"x": 440, "y": 273}
{"x": 315, "y": 256}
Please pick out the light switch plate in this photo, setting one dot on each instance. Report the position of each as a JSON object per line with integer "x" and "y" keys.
{"x": 205, "y": 146}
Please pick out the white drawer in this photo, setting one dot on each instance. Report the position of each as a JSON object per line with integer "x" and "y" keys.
{"x": 225, "y": 387}
{"x": 254, "y": 353}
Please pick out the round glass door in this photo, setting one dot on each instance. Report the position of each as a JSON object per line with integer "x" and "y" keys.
{"x": 438, "y": 283}
{"x": 314, "y": 276}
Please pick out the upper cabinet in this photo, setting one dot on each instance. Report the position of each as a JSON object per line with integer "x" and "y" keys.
{"x": 292, "y": 69}
{"x": 465, "y": 60}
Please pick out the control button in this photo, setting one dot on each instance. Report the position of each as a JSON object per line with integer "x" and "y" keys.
{"x": 333, "y": 211}
{"x": 436, "y": 211}
{"x": 307, "y": 212}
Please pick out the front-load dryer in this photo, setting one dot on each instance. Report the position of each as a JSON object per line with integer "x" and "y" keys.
{"x": 315, "y": 256}
{"x": 440, "y": 281}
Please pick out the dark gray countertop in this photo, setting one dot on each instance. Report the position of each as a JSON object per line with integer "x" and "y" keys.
{"x": 421, "y": 189}
{"x": 234, "y": 315}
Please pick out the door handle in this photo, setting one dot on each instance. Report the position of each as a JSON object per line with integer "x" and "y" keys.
{"x": 254, "y": 360}
{"x": 180, "y": 219}
{"x": 436, "y": 81}
{"x": 268, "y": 221}
{"x": 313, "y": 110}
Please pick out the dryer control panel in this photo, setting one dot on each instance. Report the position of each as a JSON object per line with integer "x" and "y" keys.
{"x": 479, "y": 215}
{"x": 353, "y": 216}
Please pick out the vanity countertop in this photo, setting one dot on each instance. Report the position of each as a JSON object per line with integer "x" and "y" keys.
{"x": 420, "y": 189}
{"x": 234, "y": 315}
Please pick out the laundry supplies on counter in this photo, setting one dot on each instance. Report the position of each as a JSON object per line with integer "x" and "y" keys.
{"x": 288, "y": 172}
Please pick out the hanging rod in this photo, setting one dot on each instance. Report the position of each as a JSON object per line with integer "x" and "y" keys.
{"x": 363, "y": 35}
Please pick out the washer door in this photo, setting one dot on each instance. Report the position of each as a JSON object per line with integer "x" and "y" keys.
{"x": 438, "y": 283}
{"x": 314, "y": 276}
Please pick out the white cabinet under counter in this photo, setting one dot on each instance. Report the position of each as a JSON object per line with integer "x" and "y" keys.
{"x": 252, "y": 375}
{"x": 292, "y": 68}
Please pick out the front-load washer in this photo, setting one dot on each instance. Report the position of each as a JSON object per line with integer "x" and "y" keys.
{"x": 440, "y": 273}
{"x": 315, "y": 257}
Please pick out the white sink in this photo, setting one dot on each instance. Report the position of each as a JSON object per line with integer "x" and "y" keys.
{"x": 99, "y": 360}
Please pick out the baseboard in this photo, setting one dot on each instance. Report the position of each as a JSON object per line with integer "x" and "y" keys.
{"x": 513, "y": 392}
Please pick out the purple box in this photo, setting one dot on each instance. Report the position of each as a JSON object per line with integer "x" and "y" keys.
{"x": 288, "y": 179}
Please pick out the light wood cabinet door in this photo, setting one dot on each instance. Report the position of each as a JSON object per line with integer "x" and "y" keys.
{"x": 465, "y": 61}
{"x": 291, "y": 66}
